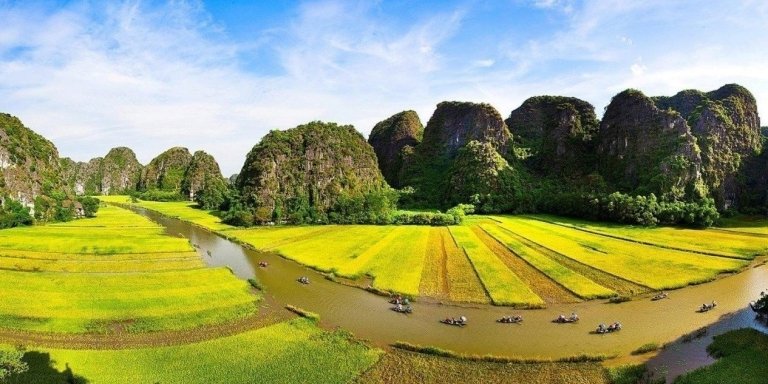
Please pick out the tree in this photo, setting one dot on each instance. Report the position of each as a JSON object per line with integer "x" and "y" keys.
{"x": 11, "y": 363}
{"x": 90, "y": 205}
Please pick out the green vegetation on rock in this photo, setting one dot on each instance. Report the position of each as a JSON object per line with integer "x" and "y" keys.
{"x": 392, "y": 140}
{"x": 301, "y": 174}
{"x": 452, "y": 126}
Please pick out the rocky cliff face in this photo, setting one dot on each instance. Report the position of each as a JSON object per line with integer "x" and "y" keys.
{"x": 727, "y": 127}
{"x": 166, "y": 171}
{"x": 82, "y": 178}
{"x": 120, "y": 172}
{"x": 555, "y": 134}
{"x": 753, "y": 181}
{"x": 29, "y": 164}
{"x": 644, "y": 149}
{"x": 451, "y": 128}
{"x": 203, "y": 171}
{"x": 308, "y": 167}
{"x": 392, "y": 140}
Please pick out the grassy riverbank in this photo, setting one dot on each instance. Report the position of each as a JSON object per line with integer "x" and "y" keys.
{"x": 742, "y": 358}
{"x": 291, "y": 352}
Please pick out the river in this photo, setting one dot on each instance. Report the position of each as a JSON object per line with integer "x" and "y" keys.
{"x": 368, "y": 316}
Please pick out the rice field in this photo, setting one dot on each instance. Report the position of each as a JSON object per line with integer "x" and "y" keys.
{"x": 183, "y": 210}
{"x": 715, "y": 242}
{"x": 290, "y": 352}
{"x": 113, "y": 231}
{"x": 502, "y": 285}
{"x": 654, "y": 267}
{"x": 117, "y": 272}
{"x": 573, "y": 281}
{"x": 509, "y": 260}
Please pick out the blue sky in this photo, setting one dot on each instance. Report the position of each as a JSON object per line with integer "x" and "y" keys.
{"x": 218, "y": 75}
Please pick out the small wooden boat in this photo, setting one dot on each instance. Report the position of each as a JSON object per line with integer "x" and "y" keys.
{"x": 562, "y": 319}
{"x": 602, "y": 328}
{"x": 662, "y": 295}
{"x": 402, "y": 309}
{"x": 707, "y": 307}
{"x": 510, "y": 319}
{"x": 460, "y": 322}
{"x": 303, "y": 280}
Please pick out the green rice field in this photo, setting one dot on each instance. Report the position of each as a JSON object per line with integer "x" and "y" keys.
{"x": 115, "y": 272}
{"x": 296, "y": 351}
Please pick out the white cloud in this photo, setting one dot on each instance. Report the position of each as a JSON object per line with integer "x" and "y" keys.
{"x": 638, "y": 69}
{"x": 92, "y": 76}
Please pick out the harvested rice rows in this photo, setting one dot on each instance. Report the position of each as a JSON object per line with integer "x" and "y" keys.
{"x": 434, "y": 277}
{"x": 539, "y": 283}
{"x": 463, "y": 282}
{"x": 503, "y": 286}
{"x": 576, "y": 283}
{"x": 615, "y": 283}
{"x": 659, "y": 269}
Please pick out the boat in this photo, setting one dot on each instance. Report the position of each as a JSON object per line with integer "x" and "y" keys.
{"x": 662, "y": 295}
{"x": 707, "y": 307}
{"x": 460, "y": 322}
{"x": 562, "y": 319}
{"x": 602, "y": 328}
{"x": 303, "y": 280}
{"x": 402, "y": 309}
{"x": 510, "y": 319}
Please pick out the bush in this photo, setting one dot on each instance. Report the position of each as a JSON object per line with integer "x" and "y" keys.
{"x": 159, "y": 195}
{"x": 14, "y": 214}
{"x": 90, "y": 205}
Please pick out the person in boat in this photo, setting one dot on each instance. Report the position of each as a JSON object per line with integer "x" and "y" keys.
{"x": 561, "y": 318}
{"x": 601, "y": 328}
{"x": 574, "y": 316}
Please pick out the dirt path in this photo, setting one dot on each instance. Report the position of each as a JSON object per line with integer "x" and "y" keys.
{"x": 119, "y": 339}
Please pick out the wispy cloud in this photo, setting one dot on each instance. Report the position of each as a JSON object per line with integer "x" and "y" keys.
{"x": 93, "y": 75}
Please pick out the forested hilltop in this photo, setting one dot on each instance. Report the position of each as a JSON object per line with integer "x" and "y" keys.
{"x": 684, "y": 159}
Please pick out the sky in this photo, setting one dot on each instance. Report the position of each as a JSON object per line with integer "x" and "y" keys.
{"x": 218, "y": 75}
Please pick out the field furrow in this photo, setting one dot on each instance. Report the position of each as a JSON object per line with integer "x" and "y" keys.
{"x": 463, "y": 281}
{"x": 705, "y": 241}
{"x": 576, "y": 283}
{"x": 502, "y": 285}
{"x": 612, "y": 282}
{"x": 659, "y": 269}
{"x": 539, "y": 283}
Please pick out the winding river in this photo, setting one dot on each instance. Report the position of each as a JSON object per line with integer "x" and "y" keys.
{"x": 368, "y": 316}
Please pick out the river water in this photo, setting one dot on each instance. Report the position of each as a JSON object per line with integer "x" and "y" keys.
{"x": 368, "y": 316}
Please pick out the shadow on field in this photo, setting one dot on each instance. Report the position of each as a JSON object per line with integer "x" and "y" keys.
{"x": 41, "y": 370}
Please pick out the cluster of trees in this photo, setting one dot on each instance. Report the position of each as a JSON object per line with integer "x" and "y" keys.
{"x": 47, "y": 209}
{"x": 375, "y": 207}
{"x": 623, "y": 208}
{"x": 14, "y": 214}
{"x": 59, "y": 207}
